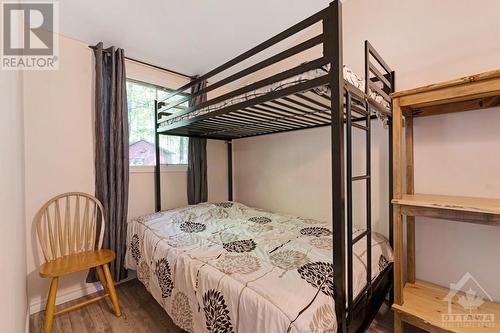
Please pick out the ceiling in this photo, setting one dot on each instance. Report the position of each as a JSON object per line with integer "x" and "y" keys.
{"x": 190, "y": 36}
{"x": 424, "y": 41}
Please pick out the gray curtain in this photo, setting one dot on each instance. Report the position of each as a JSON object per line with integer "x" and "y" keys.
{"x": 111, "y": 152}
{"x": 197, "y": 190}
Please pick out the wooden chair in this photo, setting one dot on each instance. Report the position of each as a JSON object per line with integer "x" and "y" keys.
{"x": 70, "y": 246}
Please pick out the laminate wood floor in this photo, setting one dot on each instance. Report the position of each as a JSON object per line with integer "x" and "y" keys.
{"x": 142, "y": 314}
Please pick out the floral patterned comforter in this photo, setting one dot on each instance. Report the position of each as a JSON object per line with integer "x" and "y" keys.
{"x": 226, "y": 267}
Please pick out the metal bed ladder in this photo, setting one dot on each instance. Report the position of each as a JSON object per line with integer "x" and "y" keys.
{"x": 361, "y": 108}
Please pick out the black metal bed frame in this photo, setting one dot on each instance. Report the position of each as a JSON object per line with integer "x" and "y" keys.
{"x": 296, "y": 107}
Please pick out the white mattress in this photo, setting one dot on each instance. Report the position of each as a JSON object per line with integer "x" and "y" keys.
{"x": 227, "y": 267}
{"x": 349, "y": 76}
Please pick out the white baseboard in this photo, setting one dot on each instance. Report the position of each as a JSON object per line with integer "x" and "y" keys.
{"x": 38, "y": 305}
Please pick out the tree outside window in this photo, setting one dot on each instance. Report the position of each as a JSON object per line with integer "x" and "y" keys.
{"x": 141, "y": 119}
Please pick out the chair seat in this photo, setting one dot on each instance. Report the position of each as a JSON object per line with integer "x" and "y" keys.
{"x": 76, "y": 263}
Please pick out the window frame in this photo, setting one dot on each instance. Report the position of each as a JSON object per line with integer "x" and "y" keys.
{"x": 163, "y": 167}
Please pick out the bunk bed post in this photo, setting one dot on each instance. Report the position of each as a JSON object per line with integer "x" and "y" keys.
{"x": 349, "y": 204}
{"x": 368, "y": 173}
{"x": 391, "y": 191}
{"x": 332, "y": 30}
{"x": 229, "y": 170}
{"x": 368, "y": 197}
{"x": 391, "y": 167}
{"x": 157, "y": 163}
{"x": 348, "y": 113}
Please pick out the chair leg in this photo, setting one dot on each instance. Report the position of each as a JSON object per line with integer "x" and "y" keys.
{"x": 102, "y": 278}
{"x": 112, "y": 291}
{"x": 51, "y": 306}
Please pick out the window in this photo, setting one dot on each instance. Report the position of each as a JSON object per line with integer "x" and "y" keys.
{"x": 141, "y": 118}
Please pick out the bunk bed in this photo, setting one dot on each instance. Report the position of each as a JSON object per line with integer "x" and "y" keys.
{"x": 316, "y": 93}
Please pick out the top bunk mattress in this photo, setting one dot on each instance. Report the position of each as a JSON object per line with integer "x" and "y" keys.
{"x": 349, "y": 76}
{"x": 226, "y": 267}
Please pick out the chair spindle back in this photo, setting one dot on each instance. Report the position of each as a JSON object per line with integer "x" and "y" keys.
{"x": 75, "y": 233}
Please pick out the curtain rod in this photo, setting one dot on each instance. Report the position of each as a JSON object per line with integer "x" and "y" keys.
{"x": 151, "y": 65}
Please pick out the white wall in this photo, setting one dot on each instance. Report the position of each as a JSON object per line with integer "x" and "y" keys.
{"x": 59, "y": 149}
{"x": 13, "y": 307}
{"x": 455, "y": 153}
{"x": 59, "y": 153}
{"x": 291, "y": 173}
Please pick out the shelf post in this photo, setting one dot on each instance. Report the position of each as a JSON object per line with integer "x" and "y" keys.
{"x": 410, "y": 189}
{"x": 397, "y": 122}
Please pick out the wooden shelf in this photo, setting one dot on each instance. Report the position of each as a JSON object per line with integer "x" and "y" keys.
{"x": 468, "y": 204}
{"x": 425, "y": 305}
{"x": 467, "y": 209}
{"x": 467, "y": 93}
{"x": 421, "y": 304}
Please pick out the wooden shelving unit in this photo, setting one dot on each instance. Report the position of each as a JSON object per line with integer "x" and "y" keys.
{"x": 415, "y": 302}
